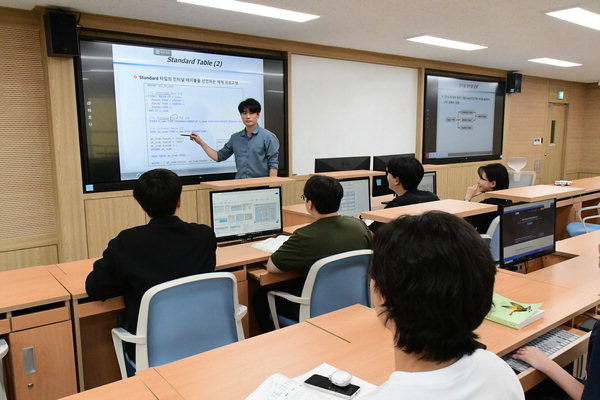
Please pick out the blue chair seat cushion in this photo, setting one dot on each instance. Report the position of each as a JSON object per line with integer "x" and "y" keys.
{"x": 576, "y": 228}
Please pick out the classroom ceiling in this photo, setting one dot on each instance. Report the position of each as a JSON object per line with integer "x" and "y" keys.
{"x": 513, "y": 30}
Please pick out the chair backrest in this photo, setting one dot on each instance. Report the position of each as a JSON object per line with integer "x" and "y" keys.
{"x": 494, "y": 233}
{"x": 3, "y": 352}
{"x": 188, "y": 316}
{"x": 336, "y": 282}
{"x": 526, "y": 178}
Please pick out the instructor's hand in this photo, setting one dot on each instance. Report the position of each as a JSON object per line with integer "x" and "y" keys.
{"x": 194, "y": 136}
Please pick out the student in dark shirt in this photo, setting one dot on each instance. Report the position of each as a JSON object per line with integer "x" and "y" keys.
{"x": 164, "y": 249}
{"x": 404, "y": 175}
{"x": 491, "y": 177}
{"x": 330, "y": 234}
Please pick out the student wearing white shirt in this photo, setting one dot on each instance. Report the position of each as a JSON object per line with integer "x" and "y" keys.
{"x": 432, "y": 280}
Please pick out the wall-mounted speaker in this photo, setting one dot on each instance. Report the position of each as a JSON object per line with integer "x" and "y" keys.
{"x": 513, "y": 82}
{"x": 61, "y": 34}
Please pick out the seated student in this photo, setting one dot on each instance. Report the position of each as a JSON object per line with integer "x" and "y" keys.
{"x": 571, "y": 386}
{"x": 330, "y": 234}
{"x": 491, "y": 177}
{"x": 432, "y": 280}
{"x": 404, "y": 175}
{"x": 164, "y": 249}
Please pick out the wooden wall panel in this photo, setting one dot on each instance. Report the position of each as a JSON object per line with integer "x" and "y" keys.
{"x": 27, "y": 196}
{"x": 526, "y": 120}
{"x": 105, "y": 218}
{"x": 189, "y": 206}
{"x": 459, "y": 177}
{"x": 203, "y": 204}
{"x": 44, "y": 255}
{"x": 590, "y": 160}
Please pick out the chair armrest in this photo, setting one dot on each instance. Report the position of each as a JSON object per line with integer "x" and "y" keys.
{"x": 125, "y": 336}
{"x": 272, "y": 305}
{"x": 487, "y": 239}
{"x": 120, "y": 335}
{"x": 289, "y": 297}
{"x": 241, "y": 311}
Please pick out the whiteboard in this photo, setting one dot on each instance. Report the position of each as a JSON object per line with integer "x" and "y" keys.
{"x": 346, "y": 108}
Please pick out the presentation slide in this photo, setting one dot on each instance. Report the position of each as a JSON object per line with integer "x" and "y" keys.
{"x": 465, "y": 117}
{"x": 163, "y": 94}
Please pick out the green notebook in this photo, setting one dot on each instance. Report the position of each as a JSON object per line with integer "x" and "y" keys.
{"x": 512, "y": 313}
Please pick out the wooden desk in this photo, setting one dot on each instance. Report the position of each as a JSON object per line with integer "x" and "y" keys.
{"x": 582, "y": 272}
{"x": 589, "y": 184}
{"x": 579, "y": 273}
{"x": 585, "y": 245}
{"x": 234, "y": 371}
{"x": 131, "y": 389}
{"x": 358, "y": 173}
{"x": 288, "y": 230}
{"x": 264, "y": 277}
{"x": 456, "y": 207}
{"x": 296, "y": 214}
{"x": 35, "y": 312}
{"x": 561, "y": 304}
{"x": 535, "y": 193}
{"x": 244, "y": 183}
{"x": 360, "y": 326}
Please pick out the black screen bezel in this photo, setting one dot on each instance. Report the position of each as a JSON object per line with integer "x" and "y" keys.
{"x": 360, "y": 179}
{"x": 528, "y": 257}
{"x": 118, "y": 184}
{"x": 334, "y": 164}
{"x": 249, "y": 235}
{"x": 429, "y": 130}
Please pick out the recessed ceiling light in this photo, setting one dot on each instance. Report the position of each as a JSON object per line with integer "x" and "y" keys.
{"x": 578, "y": 16}
{"x": 556, "y": 63}
{"x": 453, "y": 44}
{"x": 255, "y": 9}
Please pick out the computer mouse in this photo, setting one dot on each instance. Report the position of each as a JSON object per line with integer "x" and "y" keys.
{"x": 340, "y": 378}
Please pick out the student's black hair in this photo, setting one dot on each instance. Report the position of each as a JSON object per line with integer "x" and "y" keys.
{"x": 495, "y": 172}
{"x": 325, "y": 193}
{"x": 408, "y": 170}
{"x": 158, "y": 192}
{"x": 251, "y": 105}
{"x": 436, "y": 277}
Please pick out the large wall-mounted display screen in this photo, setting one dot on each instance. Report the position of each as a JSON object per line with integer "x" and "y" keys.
{"x": 138, "y": 104}
{"x": 463, "y": 118}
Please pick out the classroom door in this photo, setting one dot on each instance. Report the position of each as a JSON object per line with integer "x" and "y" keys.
{"x": 554, "y": 139}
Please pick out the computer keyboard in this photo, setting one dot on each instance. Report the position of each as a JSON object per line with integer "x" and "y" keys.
{"x": 550, "y": 342}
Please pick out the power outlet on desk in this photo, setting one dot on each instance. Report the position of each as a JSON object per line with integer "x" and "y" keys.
{"x": 537, "y": 141}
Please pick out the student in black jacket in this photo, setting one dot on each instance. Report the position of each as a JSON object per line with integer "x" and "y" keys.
{"x": 164, "y": 249}
{"x": 404, "y": 175}
{"x": 491, "y": 177}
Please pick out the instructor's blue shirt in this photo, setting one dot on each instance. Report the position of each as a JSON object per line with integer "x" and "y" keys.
{"x": 254, "y": 155}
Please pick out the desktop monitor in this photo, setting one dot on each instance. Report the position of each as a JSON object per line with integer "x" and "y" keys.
{"x": 357, "y": 197}
{"x": 342, "y": 164}
{"x": 428, "y": 183}
{"x": 246, "y": 213}
{"x": 526, "y": 231}
{"x": 380, "y": 183}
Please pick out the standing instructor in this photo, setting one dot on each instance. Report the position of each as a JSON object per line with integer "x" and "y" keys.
{"x": 256, "y": 149}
